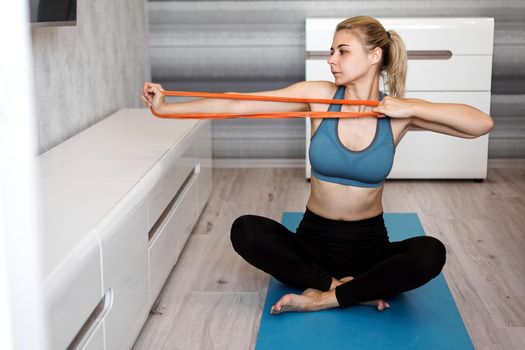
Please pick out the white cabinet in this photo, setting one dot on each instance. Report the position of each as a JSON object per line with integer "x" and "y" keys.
{"x": 119, "y": 202}
{"x": 450, "y": 60}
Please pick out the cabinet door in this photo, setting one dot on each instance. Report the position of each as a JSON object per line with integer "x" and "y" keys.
{"x": 91, "y": 335}
{"x": 72, "y": 291}
{"x": 125, "y": 271}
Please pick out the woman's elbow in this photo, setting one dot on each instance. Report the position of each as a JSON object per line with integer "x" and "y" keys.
{"x": 488, "y": 124}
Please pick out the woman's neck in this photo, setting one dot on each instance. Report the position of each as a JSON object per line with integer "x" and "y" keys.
{"x": 364, "y": 89}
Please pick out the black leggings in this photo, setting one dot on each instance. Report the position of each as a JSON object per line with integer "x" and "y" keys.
{"x": 323, "y": 248}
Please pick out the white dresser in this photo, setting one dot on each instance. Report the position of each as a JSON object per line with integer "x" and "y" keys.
{"x": 119, "y": 201}
{"x": 450, "y": 60}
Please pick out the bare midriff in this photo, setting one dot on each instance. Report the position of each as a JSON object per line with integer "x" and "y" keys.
{"x": 341, "y": 202}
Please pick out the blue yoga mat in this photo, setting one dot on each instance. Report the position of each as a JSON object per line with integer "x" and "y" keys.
{"x": 424, "y": 318}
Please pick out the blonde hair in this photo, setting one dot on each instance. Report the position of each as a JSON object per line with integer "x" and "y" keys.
{"x": 393, "y": 67}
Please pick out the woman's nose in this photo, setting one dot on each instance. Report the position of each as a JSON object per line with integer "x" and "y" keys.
{"x": 331, "y": 60}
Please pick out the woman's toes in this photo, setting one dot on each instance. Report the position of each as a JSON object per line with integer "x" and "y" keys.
{"x": 346, "y": 279}
{"x": 276, "y": 309}
{"x": 290, "y": 302}
{"x": 279, "y": 306}
{"x": 382, "y": 305}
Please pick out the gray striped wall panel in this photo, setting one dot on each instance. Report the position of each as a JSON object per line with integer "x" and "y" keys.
{"x": 248, "y": 46}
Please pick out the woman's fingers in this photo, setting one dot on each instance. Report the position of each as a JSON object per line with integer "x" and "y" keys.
{"x": 145, "y": 92}
{"x": 146, "y": 101}
{"x": 154, "y": 96}
{"x": 148, "y": 90}
{"x": 152, "y": 91}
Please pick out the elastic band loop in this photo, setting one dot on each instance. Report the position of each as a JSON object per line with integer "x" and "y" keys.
{"x": 271, "y": 115}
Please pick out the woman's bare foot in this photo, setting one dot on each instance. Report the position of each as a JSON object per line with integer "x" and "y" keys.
{"x": 314, "y": 300}
{"x": 310, "y": 300}
{"x": 379, "y": 303}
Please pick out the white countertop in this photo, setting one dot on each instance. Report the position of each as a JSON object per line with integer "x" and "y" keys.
{"x": 85, "y": 177}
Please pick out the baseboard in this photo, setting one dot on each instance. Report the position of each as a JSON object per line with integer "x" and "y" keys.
{"x": 258, "y": 163}
{"x": 506, "y": 163}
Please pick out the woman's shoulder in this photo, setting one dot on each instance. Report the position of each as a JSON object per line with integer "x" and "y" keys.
{"x": 320, "y": 88}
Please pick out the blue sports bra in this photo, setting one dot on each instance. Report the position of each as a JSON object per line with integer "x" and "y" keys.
{"x": 333, "y": 162}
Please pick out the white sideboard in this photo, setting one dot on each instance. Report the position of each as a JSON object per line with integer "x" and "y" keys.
{"x": 119, "y": 201}
{"x": 450, "y": 60}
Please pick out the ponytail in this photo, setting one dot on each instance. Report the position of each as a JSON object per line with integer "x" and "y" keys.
{"x": 395, "y": 65}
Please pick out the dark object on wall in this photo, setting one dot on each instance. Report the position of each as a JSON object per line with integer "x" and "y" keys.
{"x": 53, "y": 12}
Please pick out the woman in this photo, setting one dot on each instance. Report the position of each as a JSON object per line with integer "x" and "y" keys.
{"x": 341, "y": 254}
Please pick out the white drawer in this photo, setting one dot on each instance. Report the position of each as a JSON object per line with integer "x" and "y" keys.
{"x": 168, "y": 175}
{"x": 455, "y": 74}
{"x": 72, "y": 291}
{"x": 462, "y": 36}
{"x": 169, "y": 235}
{"x": 124, "y": 243}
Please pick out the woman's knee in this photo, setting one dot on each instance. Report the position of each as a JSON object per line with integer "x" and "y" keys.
{"x": 432, "y": 255}
{"x": 240, "y": 230}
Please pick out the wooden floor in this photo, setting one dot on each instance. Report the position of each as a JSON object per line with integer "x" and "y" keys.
{"x": 213, "y": 299}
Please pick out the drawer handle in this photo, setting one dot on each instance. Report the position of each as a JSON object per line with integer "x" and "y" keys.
{"x": 429, "y": 55}
{"x": 174, "y": 201}
{"x": 411, "y": 55}
{"x": 92, "y": 321}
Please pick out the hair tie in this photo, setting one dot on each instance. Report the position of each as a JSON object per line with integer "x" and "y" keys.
{"x": 388, "y": 34}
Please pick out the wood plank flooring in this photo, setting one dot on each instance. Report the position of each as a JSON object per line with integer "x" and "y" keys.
{"x": 213, "y": 299}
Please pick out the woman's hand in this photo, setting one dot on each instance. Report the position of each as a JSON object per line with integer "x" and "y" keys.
{"x": 152, "y": 96}
{"x": 395, "y": 107}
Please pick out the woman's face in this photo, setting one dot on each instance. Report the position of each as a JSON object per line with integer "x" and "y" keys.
{"x": 348, "y": 59}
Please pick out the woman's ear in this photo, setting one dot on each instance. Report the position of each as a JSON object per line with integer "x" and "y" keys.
{"x": 375, "y": 55}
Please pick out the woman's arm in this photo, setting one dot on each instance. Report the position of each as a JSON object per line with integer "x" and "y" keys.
{"x": 153, "y": 97}
{"x": 463, "y": 118}
{"x": 448, "y": 118}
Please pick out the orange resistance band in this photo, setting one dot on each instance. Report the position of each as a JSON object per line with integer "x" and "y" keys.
{"x": 304, "y": 114}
